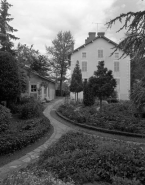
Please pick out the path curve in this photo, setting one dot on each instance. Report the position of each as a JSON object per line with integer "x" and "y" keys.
{"x": 32, "y": 156}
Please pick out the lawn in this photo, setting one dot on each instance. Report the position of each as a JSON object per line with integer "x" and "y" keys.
{"x": 80, "y": 159}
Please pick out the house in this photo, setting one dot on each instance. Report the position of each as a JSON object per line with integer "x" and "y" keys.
{"x": 99, "y": 48}
{"x": 40, "y": 87}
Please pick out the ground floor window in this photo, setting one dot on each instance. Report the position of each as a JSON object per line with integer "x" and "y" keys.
{"x": 34, "y": 88}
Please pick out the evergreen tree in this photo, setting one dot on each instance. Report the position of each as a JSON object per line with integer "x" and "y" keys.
{"x": 58, "y": 56}
{"x": 9, "y": 78}
{"x": 133, "y": 43}
{"x": 102, "y": 82}
{"x": 88, "y": 96}
{"x": 76, "y": 80}
{"x": 6, "y": 29}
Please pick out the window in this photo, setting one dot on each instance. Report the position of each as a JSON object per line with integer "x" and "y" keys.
{"x": 83, "y": 54}
{"x": 33, "y": 88}
{"x": 100, "y": 53}
{"x": 116, "y": 55}
{"x": 84, "y": 66}
{"x": 116, "y": 66}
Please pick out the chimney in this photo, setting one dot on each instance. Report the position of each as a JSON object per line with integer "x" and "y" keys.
{"x": 91, "y": 37}
{"x": 101, "y": 34}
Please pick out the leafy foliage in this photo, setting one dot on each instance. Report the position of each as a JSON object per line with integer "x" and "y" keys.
{"x": 134, "y": 42}
{"x": 30, "y": 131}
{"x": 88, "y": 96}
{"x": 118, "y": 116}
{"x": 102, "y": 82}
{"x": 9, "y": 77}
{"x": 5, "y": 36}
{"x": 86, "y": 159}
{"x": 5, "y": 116}
{"x": 58, "y": 55}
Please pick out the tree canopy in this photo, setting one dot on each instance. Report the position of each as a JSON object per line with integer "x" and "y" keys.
{"x": 58, "y": 55}
{"x": 6, "y": 29}
{"x": 134, "y": 42}
{"x": 9, "y": 77}
{"x": 76, "y": 85}
{"x": 102, "y": 82}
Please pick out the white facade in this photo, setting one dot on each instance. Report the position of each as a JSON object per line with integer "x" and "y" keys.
{"x": 99, "y": 49}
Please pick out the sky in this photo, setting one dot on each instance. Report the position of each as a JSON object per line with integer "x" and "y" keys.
{"x": 39, "y": 21}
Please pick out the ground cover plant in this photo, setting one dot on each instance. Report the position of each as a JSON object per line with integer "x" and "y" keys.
{"x": 22, "y": 128}
{"x": 83, "y": 158}
{"x": 114, "y": 116}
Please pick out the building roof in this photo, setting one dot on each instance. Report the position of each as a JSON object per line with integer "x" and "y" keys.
{"x": 99, "y": 36}
{"x": 46, "y": 78}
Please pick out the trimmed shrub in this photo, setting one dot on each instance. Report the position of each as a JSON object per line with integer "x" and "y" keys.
{"x": 31, "y": 109}
{"x": 30, "y": 132}
{"x": 5, "y": 116}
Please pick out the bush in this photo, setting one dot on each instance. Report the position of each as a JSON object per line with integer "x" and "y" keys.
{"x": 5, "y": 116}
{"x": 32, "y": 108}
{"x": 117, "y": 116}
{"x": 30, "y": 132}
{"x": 86, "y": 159}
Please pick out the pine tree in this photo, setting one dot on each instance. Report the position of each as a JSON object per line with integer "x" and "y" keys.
{"x": 76, "y": 80}
{"x": 6, "y": 29}
{"x": 102, "y": 82}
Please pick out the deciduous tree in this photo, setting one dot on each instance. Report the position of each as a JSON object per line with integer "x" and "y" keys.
{"x": 58, "y": 55}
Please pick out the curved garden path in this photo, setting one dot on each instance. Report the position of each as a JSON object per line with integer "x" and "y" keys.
{"x": 59, "y": 130}
{"x": 60, "y": 127}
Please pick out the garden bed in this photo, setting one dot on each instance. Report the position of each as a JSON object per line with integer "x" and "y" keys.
{"x": 82, "y": 159}
{"x": 22, "y": 133}
{"x": 114, "y": 118}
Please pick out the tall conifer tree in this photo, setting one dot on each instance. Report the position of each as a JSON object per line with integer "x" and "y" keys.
{"x": 6, "y": 29}
{"x": 76, "y": 80}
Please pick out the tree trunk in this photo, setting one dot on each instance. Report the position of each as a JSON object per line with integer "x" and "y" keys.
{"x": 77, "y": 97}
{"x": 101, "y": 105}
{"x": 60, "y": 87}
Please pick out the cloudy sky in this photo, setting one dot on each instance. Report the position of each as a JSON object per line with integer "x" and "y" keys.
{"x": 39, "y": 21}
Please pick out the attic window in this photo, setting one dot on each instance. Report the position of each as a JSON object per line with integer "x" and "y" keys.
{"x": 100, "y": 53}
{"x": 83, "y": 54}
{"x": 116, "y": 55}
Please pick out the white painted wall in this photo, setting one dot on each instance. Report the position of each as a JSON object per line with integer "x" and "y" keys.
{"x": 92, "y": 61}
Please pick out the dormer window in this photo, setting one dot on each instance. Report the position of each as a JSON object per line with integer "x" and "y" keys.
{"x": 84, "y": 55}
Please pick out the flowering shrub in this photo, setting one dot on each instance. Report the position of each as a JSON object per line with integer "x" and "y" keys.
{"x": 85, "y": 158}
{"x": 118, "y": 116}
{"x": 5, "y": 116}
